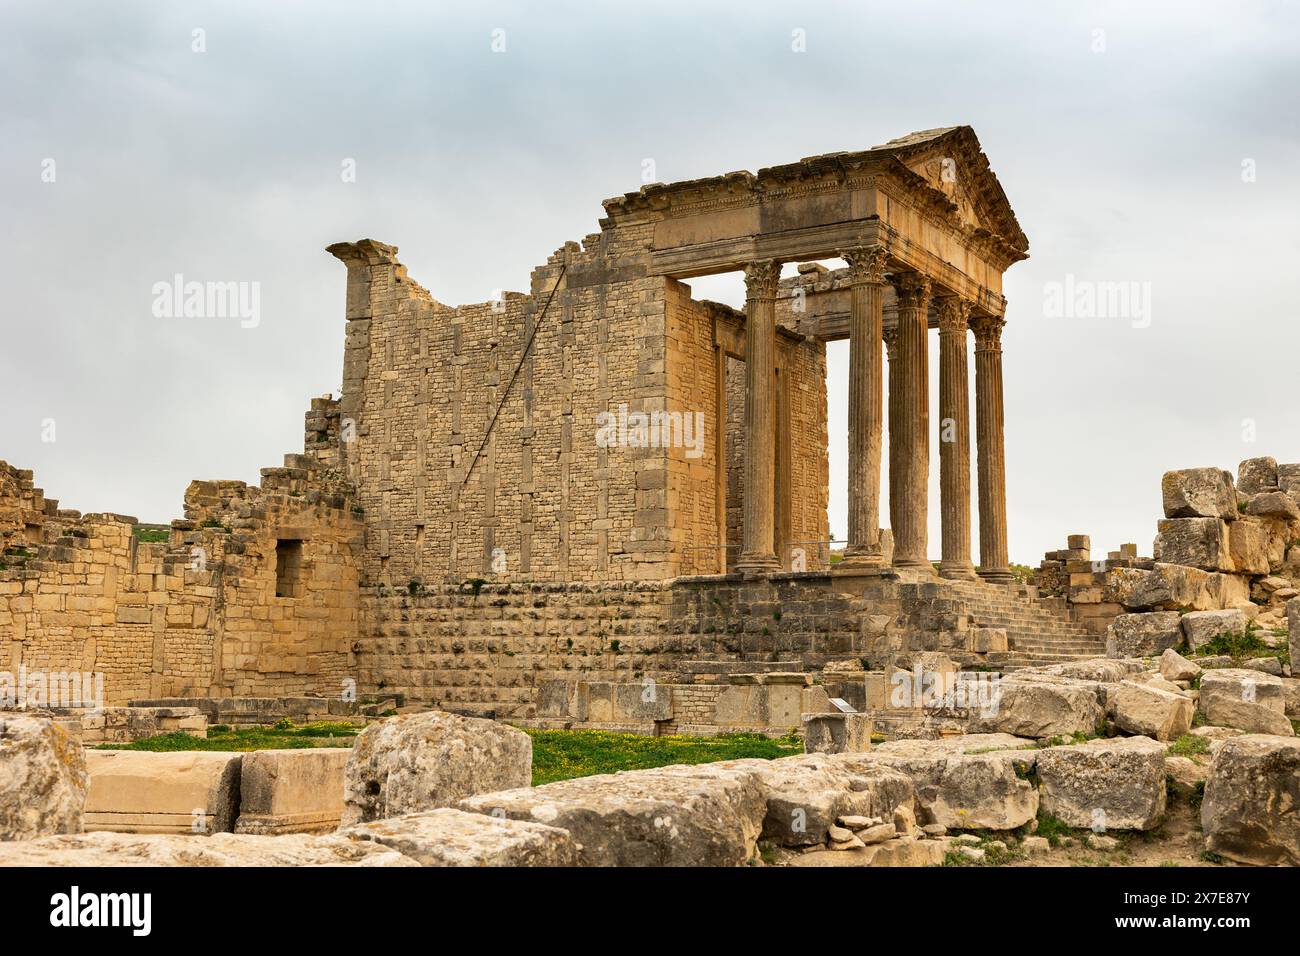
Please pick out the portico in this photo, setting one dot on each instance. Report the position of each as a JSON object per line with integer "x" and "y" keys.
{"x": 926, "y": 233}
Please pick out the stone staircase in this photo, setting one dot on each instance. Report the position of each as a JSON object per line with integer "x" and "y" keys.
{"x": 1039, "y": 630}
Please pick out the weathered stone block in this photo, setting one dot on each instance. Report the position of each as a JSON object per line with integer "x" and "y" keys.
{"x": 1202, "y": 627}
{"x": 1114, "y": 784}
{"x": 1249, "y": 810}
{"x": 983, "y": 640}
{"x": 1248, "y": 543}
{"x": 968, "y": 791}
{"x": 448, "y": 837}
{"x": 806, "y": 795}
{"x": 1151, "y": 712}
{"x": 1199, "y": 493}
{"x": 1175, "y": 667}
{"x": 673, "y": 816}
{"x": 291, "y": 791}
{"x": 1245, "y": 699}
{"x": 191, "y": 792}
{"x": 1143, "y": 635}
{"x": 425, "y": 761}
{"x": 1255, "y": 475}
{"x": 43, "y": 779}
{"x": 836, "y": 733}
{"x": 1032, "y": 707}
{"x": 220, "y": 849}
{"x": 1273, "y": 504}
{"x": 1195, "y": 542}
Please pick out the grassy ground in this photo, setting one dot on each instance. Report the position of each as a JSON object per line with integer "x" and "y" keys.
{"x": 281, "y": 736}
{"x": 557, "y": 754}
{"x": 564, "y": 754}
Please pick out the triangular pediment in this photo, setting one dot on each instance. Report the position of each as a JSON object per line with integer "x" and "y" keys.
{"x": 951, "y": 161}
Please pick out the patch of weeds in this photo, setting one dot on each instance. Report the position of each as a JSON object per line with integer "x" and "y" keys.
{"x": 614, "y": 645}
{"x": 1189, "y": 745}
{"x": 1239, "y": 645}
{"x": 1052, "y": 827}
{"x": 1209, "y": 856}
{"x": 151, "y": 535}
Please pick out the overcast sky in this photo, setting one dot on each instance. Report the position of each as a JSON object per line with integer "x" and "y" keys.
{"x": 1148, "y": 143}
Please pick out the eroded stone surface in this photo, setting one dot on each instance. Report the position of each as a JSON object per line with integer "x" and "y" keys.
{"x": 672, "y": 816}
{"x": 426, "y": 761}
{"x": 1250, "y": 811}
{"x": 448, "y": 837}
{"x": 1114, "y": 784}
{"x": 43, "y": 779}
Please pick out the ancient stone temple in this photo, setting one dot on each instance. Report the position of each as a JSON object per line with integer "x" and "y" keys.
{"x": 477, "y": 428}
{"x": 602, "y": 479}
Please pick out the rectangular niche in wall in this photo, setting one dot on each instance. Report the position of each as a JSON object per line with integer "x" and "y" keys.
{"x": 288, "y": 568}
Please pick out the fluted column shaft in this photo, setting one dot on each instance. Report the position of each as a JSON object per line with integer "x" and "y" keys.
{"x": 954, "y": 439}
{"x": 866, "y": 405}
{"x": 989, "y": 436}
{"x": 909, "y": 442}
{"x": 758, "y": 552}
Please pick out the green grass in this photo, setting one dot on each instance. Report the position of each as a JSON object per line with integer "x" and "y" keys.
{"x": 282, "y": 736}
{"x": 1189, "y": 745}
{"x": 1240, "y": 645}
{"x": 564, "y": 754}
{"x": 1052, "y": 827}
{"x": 148, "y": 535}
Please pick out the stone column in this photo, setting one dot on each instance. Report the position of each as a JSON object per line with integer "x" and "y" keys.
{"x": 866, "y": 405}
{"x": 909, "y": 442}
{"x": 891, "y": 349}
{"x": 758, "y": 553}
{"x": 954, "y": 439}
{"x": 989, "y": 436}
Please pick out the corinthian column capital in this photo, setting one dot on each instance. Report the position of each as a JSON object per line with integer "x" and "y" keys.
{"x": 762, "y": 279}
{"x": 866, "y": 264}
{"x": 954, "y": 312}
{"x": 912, "y": 289}
{"x": 988, "y": 332}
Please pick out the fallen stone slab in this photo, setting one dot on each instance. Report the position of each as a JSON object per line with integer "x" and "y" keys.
{"x": 1249, "y": 813}
{"x": 1291, "y": 690}
{"x": 671, "y": 816}
{"x": 972, "y": 791}
{"x": 901, "y": 852}
{"x": 448, "y": 837}
{"x": 1151, "y": 712}
{"x": 806, "y": 795}
{"x": 1255, "y": 475}
{"x": 960, "y": 744}
{"x": 291, "y": 791}
{"x": 1202, "y": 627}
{"x": 190, "y": 792}
{"x": 1175, "y": 667}
{"x": 1199, "y": 493}
{"x": 43, "y": 779}
{"x": 1146, "y": 634}
{"x": 1194, "y": 542}
{"x": 1116, "y": 784}
{"x": 1273, "y": 504}
{"x": 221, "y": 849}
{"x": 429, "y": 760}
{"x": 836, "y": 733}
{"x": 1105, "y": 670}
{"x": 1249, "y": 700}
{"x": 1040, "y": 706}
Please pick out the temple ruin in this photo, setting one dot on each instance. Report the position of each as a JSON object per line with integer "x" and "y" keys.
{"x": 602, "y": 479}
